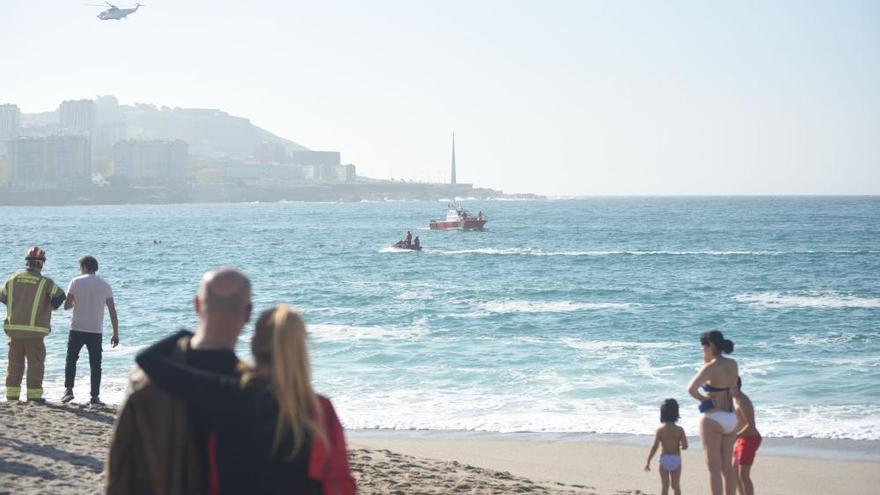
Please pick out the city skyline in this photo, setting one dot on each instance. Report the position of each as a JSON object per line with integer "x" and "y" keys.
{"x": 565, "y": 99}
{"x": 84, "y": 142}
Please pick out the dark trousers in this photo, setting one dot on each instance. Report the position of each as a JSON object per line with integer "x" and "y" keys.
{"x": 92, "y": 341}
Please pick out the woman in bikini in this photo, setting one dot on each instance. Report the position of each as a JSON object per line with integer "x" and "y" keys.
{"x": 714, "y": 387}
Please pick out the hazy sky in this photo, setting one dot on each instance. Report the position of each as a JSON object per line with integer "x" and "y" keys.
{"x": 561, "y": 98}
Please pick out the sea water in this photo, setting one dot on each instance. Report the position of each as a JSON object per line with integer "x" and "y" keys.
{"x": 563, "y": 316}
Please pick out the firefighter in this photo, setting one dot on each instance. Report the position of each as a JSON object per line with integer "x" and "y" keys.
{"x": 30, "y": 299}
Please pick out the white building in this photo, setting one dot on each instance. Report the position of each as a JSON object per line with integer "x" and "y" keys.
{"x": 10, "y": 124}
{"x": 54, "y": 162}
{"x": 151, "y": 162}
{"x": 78, "y": 117}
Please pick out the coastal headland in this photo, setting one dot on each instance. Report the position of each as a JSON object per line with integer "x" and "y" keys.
{"x": 100, "y": 152}
{"x": 361, "y": 190}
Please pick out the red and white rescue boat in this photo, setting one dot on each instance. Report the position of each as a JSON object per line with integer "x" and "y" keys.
{"x": 457, "y": 218}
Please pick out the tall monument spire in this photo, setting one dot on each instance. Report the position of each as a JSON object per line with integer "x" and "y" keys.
{"x": 453, "y": 182}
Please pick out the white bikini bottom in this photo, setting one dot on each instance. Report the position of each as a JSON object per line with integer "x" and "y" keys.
{"x": 727, "y": 420}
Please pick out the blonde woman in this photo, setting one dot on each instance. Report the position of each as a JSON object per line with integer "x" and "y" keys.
{"x": 274, "y": 434}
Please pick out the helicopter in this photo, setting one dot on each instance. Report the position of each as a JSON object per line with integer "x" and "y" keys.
{"x": 115, "y": 12}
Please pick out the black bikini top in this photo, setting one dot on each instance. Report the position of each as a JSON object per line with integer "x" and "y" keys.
{"x": 710, "y": 388}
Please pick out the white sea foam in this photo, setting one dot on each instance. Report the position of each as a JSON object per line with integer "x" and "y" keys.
{"x": 346, "y": 333}
{"x": 470, "y": 410}
{"x": 602, "y": 345}
{"x": 517, "y": 306}
{"x": 476, "y": 410}
{"x": 834, "y": 339}
{"x": 392, "y": 249}
{"x": 414, "y": 295}
{"x": 540, "y": 252}
{"x": 813, "y": 299}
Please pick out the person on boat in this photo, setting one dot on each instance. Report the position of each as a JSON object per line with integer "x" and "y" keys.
{"x": 480, "y": 215}
{"x": 407, "y": 239}
{"x": 417, "y": 244}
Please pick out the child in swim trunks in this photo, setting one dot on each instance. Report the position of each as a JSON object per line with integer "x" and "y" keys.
{"x": 673, "y": 439}
{"x": 748, "y": 439}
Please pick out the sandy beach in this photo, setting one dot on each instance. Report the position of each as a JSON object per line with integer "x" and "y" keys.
{"x": 55, "y": 448}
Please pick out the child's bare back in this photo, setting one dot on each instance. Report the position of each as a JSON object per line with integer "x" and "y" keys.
{"x": 672, "y": 438}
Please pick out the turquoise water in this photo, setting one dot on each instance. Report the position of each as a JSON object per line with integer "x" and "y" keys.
{"x": 564, "y": 316}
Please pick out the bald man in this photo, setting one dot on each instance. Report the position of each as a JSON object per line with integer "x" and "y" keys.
{"x": 159, "y": 445}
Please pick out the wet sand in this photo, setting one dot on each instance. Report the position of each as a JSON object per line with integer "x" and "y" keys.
{"x": 618, "y": 468}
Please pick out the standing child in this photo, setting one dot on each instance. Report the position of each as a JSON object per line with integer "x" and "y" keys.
{"x": 672, "y": 438}
{"x": 748, "y": 439}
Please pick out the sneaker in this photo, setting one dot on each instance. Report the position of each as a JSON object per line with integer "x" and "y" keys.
{"x": 96, "y": 402}
{"x": 68, "y": 396}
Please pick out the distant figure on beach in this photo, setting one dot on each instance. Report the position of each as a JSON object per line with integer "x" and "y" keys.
{"x": 281, "y": 437}
{"x": 87, "y": 295}
{"x": 30, "y": 299}
{"x": 162, "y": 446}
{"x": 407, "y": 239}
{"x": 673, "y": 440}
{"x": 717, "y": 378}
{"x": 747, "y": 442}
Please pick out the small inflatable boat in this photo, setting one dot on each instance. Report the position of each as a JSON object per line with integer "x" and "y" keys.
{"x": 411, "y": 247}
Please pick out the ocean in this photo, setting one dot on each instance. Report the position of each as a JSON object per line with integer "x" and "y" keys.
{"x": 564, "y": 316}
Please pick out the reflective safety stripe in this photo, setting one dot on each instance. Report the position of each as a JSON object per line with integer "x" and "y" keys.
{"x": 13, "y": 392}
{"x": 34, "y": 393}
{"x": 9, "y": 305}
{"x": 26, "y": 328}
{"x": 36, "y": 305}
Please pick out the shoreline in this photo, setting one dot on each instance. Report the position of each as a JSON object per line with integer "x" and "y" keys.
{"x": 833, "y": 449}
{"x": 58, "y": 448}
{"x": 617, "y": 468}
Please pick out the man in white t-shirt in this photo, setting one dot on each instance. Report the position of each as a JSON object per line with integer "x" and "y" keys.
{"x": 87, "y": 295}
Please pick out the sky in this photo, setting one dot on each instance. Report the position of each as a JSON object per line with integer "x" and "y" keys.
{"x": 560, "y": 98}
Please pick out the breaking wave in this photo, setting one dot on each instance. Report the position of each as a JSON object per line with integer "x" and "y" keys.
{"x": 539, "y": 252}
{"x": 827, "y": 299}
{"x": 547, "y": 306}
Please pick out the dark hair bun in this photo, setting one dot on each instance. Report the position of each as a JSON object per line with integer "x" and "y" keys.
{"x": 716, "y": 340}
